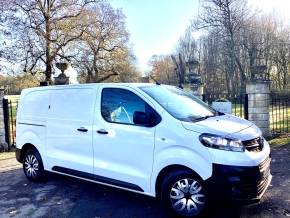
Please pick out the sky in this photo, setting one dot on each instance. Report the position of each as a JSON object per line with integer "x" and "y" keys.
{"x": 156, "y": 25}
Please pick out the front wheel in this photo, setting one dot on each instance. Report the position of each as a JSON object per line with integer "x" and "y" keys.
{"x": 183, "y": 194}
{"x": 33, "y": 166}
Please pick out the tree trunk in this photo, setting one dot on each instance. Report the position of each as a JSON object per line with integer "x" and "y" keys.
{"x": 228, "y": 82}
{"x": 89, "y": 76}
{"x": 48, "y": 70}
{"x": 106, "y": 77}
{"x": 237, "y": 60}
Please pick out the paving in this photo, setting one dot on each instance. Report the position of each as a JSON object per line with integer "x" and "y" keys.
{"x": 61, "y": 196}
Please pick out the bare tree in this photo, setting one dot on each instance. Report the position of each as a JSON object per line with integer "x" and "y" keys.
{"x": 163, "y": 70}
{"x": 102, "y": 51}
{"x": 214, "y": 64}
{"x": 187, "y": 46}
{"x": 38, "y": 30}
{"x": 281, "y": 59}
{"x": 225, "y": 18}
{"x": 187, "y": 55}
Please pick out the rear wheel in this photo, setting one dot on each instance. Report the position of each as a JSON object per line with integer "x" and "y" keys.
{"x": 33, "y": 166}
{"x": 183, "y": 194}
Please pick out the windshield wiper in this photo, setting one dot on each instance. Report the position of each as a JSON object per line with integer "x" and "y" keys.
{"x": 217, "y": 113}
{"x": 203, "y": 118}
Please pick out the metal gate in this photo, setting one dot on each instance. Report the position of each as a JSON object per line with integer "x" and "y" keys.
{"x": 239, "y": 102}
{"x": 280, "y": 113}
{"x": 10, "y": 109}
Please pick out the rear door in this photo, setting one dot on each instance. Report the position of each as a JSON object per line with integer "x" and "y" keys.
{"x": 123, "y": 150}
{"x": 69, "y": 130}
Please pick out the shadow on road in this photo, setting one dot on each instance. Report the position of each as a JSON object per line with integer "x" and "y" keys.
{"x": 65, "y": 196}
{"x": 100, "y": 201}
{"x": 62, "y": 196}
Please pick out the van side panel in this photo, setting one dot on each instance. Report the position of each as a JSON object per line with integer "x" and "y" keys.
{"x": 33, "y": 106}
{"x": 176, "y": 146}
{"x": 71, "y": 109}
{"x": 32, "y": 134}
{"x": 31, "y": 119}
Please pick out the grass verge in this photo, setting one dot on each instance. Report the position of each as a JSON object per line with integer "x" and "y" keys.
{"x": 280, "y": 141}
{"x": 7, "y": 155}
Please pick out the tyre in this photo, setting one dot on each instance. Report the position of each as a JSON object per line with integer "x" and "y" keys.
{"x": 183, "y": 194}
{"x": 33, "y": 166}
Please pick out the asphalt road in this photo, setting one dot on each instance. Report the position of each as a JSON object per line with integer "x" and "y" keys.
{"x": 62, "y": 196}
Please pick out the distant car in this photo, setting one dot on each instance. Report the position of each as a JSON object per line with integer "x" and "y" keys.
{"x": 156, "y": 140}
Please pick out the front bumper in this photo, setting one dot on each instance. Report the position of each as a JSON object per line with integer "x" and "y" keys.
{"x": 241, "y": 183}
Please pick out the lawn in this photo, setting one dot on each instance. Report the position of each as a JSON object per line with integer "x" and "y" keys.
{"x": 280, "y": 119}
{"x": 238, "y": 110}
{"x": 7, "y": 155}
{"x": 280, "y": 141}
{"x": 12, "y": 97}
{"x": 13, "y": 103}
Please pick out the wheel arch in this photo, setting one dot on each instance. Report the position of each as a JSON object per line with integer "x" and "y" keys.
{"x": 30, "y": 138}
{"x": 179, "y": 157}
{"x": 25, "y": 148}
{"x": 168, "y": 169}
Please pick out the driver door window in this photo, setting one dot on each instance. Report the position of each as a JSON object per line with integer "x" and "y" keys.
{"x": 119, "y": 105}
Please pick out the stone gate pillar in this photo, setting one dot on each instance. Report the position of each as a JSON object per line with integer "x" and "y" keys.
{"x": 197, "y": 90}
{"x": 3, "y": 144}
{"x": 258, "y": 105}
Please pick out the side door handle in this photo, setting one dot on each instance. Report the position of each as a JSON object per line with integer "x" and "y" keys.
{"x": 82, "y": 129}
{"x": 102, "y": 131}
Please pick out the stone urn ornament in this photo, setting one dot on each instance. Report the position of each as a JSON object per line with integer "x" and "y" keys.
{"x": 62, "y": 79}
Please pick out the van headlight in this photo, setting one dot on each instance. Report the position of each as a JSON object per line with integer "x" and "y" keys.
{"x": 218, "y": 142}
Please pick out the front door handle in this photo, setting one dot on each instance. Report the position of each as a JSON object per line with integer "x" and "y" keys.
{"x": 82, "y": 129}
{"x": 102, "y": 131}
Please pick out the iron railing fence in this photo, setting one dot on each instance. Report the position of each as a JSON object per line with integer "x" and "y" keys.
{"x": 239, "y": 102}
{"x": 279, "y": 113}
{"x": 10, "y": 110}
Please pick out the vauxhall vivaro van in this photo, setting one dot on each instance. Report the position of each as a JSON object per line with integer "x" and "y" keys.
{"x": 152, "y": 139}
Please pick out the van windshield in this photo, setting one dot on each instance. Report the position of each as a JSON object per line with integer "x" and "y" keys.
{"x": 179, "y": 103}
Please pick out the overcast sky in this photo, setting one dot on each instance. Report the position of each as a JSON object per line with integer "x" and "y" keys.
{"x": 156, "y": 25}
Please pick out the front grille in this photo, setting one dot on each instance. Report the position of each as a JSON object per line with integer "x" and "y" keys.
{"x": 254, "y": 145}
{"x": 245, "y": 183}
{"x": 265, "y": 164}
{"x": 263, "y": 185}
{"x": 248, "y": 189}
{"x": 253, "y": 182}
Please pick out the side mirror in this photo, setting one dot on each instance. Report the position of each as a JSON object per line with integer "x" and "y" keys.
{"x": 140, "y": 118}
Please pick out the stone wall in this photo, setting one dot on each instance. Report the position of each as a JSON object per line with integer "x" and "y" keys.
{"x": 258, "y": 105}
{"x": 3, "y": 144}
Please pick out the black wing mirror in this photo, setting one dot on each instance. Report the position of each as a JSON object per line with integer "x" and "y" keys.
{"x": 146, "y": 119}
{"x": 140, "y": 118}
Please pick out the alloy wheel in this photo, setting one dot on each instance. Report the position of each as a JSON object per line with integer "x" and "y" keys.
{"x": 187, "y": 197}
{"x": 31, "y": 165}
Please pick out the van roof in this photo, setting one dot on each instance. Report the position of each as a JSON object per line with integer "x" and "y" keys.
{"x": 91, "y": 85}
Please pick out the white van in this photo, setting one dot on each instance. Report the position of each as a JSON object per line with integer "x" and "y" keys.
{"x": 152, "y": 139}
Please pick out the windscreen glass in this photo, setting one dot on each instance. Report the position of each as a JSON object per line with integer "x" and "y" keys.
{"x": 179, "y": 103}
